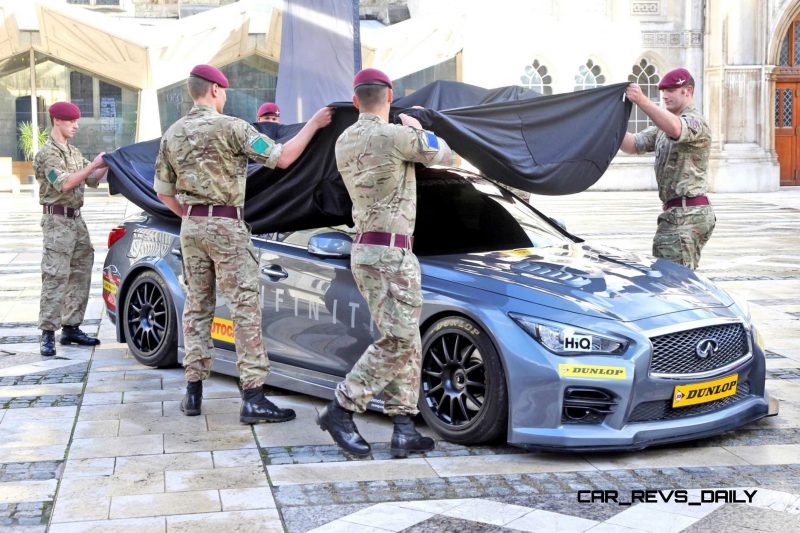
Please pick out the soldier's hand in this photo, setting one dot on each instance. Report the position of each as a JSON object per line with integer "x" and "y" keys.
{"x": 323, "y": 117}
{"x": 99, "y": 162}
{"x": 409, "y": 121}
{"x": 634, "y": 93}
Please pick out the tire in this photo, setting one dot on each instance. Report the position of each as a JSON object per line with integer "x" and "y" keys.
{"x": 149, "y": 321}
{"x": 463, "y": 393}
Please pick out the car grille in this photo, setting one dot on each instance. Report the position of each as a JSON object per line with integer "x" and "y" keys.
{"x": 663, "y": 410}
{"x": 676, "y": 353}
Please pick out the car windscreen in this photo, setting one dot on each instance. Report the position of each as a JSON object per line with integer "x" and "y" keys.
{"x": 463, "y": 213}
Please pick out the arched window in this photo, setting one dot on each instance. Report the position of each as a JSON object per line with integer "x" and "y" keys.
{"x": 789, "y": 55}
{"x": 784, "y": 55}
{"x": 537, "y": 78}
{"x": 589, "y": 76}
{"x": 647, "y": 77}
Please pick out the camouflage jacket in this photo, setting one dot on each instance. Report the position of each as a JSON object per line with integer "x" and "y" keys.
{"x": 53, "y": 164}
{"x": 203, "y": 158}
{"x": 682, "y": 163}
{"x": 376, "y": 160}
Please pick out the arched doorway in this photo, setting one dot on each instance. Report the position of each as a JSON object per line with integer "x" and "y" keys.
{"x": 787, "y": 105}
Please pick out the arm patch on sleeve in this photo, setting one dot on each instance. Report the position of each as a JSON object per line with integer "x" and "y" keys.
{"x": 52, "y": 176}
{"x": 259, "y": 145}
{"x": 432, "y": 140}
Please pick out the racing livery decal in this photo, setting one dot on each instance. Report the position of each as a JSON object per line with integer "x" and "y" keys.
{"x": 111, "y": 280}
{"x": 704, "y": 392}
{"x": 592, "y": 371}
{"x": 222, "y": 330}
{"x": 146, "y": 243}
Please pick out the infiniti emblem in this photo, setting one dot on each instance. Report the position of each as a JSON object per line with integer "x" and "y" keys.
{"x": 705, "y": 348}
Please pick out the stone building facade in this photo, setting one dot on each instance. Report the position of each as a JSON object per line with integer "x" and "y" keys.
{"x": 127, "y": 60}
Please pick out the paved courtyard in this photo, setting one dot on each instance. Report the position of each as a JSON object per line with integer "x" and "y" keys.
{"x": 92, "y": 441}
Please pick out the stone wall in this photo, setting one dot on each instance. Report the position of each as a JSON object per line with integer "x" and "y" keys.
{"x": 174, "y": 8}
{"x": 386, "y": 11}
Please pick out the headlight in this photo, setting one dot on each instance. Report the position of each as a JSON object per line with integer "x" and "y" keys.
{"x": 759, "y": 339}
{"x": 562, "y": 339}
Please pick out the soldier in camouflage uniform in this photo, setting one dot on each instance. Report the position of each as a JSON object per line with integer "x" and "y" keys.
{"x": 200, "y": 175}
{"x": 681, "y": 140}
{"x": 67, "y": 258}
{"x": 376, "y": 160}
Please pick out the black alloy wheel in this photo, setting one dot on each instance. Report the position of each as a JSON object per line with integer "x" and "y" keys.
{"x": 462, "y": 388}
{"x": 149, "y": 321}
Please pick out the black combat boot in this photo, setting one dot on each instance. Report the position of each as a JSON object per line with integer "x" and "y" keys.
{"x": 257, "y": 408}
{"x": 190, "y": 405}
{"x": 338, "y": 421}
{"x": 406, "y": 439}
{"x": 74, "y": 335}
{"x": 47, "y": 345}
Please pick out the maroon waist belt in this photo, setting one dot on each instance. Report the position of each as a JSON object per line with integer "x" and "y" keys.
{"x": 382, "y": 238}
{"x": 225, "y": 211}
{"x": 685, "y": 201}
{"x": 68, "y": 212}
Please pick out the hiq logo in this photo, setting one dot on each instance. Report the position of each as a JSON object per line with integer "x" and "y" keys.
{"x": 578, "y": 343}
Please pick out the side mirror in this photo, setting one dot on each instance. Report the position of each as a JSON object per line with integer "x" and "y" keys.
{"x": 331, "y": 244}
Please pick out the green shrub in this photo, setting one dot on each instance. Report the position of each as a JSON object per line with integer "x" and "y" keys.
{"x": 26, "y": 139}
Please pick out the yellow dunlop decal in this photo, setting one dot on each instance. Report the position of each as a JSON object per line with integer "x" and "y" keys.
{"x": 707, "y": 391}
{"x": 592, "y": 371}
{"x": 222, "y": 330}
{"x": 109, "y": 287}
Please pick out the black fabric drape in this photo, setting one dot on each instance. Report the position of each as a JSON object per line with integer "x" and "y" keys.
{"x": 558, "y": 144}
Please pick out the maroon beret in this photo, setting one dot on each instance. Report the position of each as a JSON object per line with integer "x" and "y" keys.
{"x": 269, "y": 108}
{"x": 209, "y": 73}
{"x": 675, "y": 78}
{"x": 371, "y": 76}
{"x": 64, "y": 111}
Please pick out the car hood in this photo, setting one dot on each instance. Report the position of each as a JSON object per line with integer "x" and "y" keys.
{"x": 580, "y": 278}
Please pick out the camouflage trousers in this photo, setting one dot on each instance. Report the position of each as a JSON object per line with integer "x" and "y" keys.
{"x": 67, "y": 259}
{"x": 389, "y": 280}
{"x": 682, "y": 233}
{"x": 218, "y": 253}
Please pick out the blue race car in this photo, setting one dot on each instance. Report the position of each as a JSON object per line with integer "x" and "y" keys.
{"x": 530, "y": 335}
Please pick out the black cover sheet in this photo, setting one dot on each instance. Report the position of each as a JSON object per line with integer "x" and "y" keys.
{"x": 559, "y": 144}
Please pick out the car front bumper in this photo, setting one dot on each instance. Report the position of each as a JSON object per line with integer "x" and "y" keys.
{"x": 635, "y": 436}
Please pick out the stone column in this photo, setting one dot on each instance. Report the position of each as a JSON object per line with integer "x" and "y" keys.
{"x": 148, "y": 125}
{"x": 770, "y": 78}
{"x": 34, "y": 106}
{"x": 737, "y": 98}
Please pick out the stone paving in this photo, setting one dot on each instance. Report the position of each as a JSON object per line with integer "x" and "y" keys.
{"x": 93, "y": 441}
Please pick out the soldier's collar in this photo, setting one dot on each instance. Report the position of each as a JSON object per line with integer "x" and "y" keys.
{"x": 203, "y": 107}
{"x": 370, "y": 116}
{"x": 63, "y": 147}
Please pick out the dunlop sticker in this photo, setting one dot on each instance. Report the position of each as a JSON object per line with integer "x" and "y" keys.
{"x": 592, "y": 371}
{"x": 109, "y": 287}
{"x": 222, "y": 330}
{"x": 704, "y": 392}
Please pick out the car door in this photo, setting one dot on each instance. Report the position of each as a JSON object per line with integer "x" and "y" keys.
{"x": 313, "y": 314}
